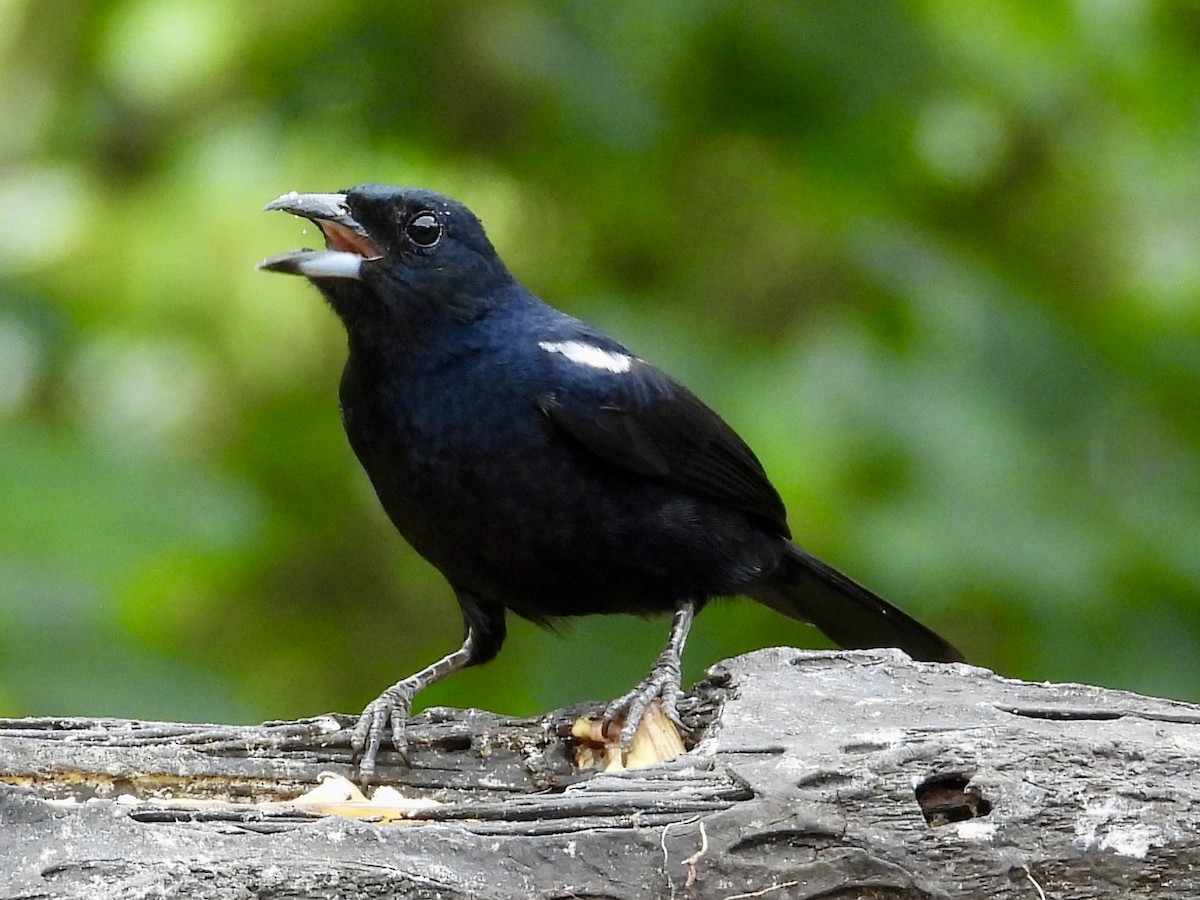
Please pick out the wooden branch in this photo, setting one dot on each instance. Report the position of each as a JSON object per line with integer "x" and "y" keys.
{"x": 832, "y": 775}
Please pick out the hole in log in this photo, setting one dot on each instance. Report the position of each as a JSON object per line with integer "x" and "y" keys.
{"x": 946, "y": 798}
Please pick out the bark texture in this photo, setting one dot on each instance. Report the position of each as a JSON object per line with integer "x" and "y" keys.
{"x": 831, "y": 775}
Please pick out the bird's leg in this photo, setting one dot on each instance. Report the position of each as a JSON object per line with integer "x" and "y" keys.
{"x": 394, "y": 705}
{"x": 484, "y": 624}
{"x": 662, "y": 683}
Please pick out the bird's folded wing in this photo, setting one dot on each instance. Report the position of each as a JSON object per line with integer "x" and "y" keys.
{"x": 648, "y": 424}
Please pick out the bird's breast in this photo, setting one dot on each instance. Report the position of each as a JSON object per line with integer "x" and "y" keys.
{"x": 442, "y": 448}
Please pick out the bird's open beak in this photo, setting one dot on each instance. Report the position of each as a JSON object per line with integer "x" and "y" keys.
{"x": 347, "y": 243}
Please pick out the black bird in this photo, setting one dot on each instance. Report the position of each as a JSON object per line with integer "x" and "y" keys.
{"x": 540, "y": 466}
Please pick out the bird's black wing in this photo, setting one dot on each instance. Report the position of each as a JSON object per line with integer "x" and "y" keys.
{"x": 646, "y": 423}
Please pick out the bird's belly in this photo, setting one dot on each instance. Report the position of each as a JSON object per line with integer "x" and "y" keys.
{"x": 548, "y": 532}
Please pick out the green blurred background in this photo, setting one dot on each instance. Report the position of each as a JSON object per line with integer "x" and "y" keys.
{"x": 938, "y": 262}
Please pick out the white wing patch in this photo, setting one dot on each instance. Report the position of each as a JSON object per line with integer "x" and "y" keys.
{"x": 590, "y": 355}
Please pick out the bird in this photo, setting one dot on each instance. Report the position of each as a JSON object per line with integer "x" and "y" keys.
{"x": 538, "y": 464}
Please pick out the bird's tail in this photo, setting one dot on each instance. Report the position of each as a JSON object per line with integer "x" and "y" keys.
{"x": 807, "y": 589}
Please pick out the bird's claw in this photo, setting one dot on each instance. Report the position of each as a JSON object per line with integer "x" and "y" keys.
{"x": 662, "y": 684}
{"x": 391, "y": 707}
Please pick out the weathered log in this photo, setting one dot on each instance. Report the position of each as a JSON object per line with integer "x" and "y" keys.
{"x": 831, "y": 775}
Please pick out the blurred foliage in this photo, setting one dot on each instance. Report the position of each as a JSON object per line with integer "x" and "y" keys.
{"x": 938, "y": 262}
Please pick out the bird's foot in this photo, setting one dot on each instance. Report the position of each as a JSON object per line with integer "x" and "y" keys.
{"x": 389, "y": 708}
{"x": 662, "y": 684}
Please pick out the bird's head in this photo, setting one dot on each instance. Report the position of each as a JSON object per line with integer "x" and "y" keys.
{"x": 394, "y": 255}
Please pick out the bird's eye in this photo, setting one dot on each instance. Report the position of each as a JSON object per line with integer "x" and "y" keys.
{"x": 424, "y": 229}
